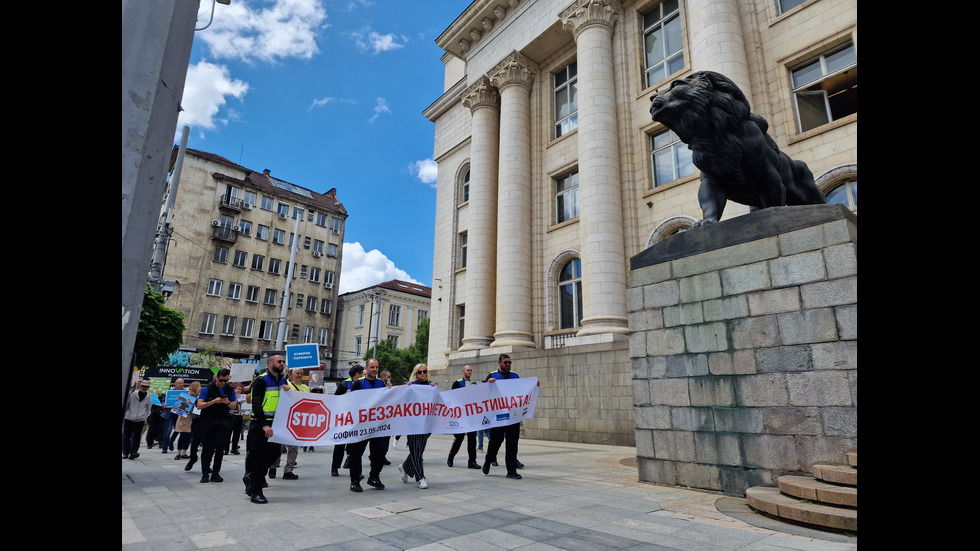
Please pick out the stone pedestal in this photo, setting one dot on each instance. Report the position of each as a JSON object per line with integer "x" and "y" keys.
{"x": 743, "y": 342}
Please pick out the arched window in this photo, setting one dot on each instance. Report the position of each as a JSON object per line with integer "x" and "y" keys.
{"x": 839, "y": 185}
{"x": 570, "y": 295}
{"x": 464, "y": 187}
{"x": 845, "y": 194}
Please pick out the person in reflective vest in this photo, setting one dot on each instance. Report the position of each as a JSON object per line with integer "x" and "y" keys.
{"x": 261, "y": 452}
{"x": 378, "y": 445}
{"x": 470, "y": 436}
{"x": 355, "y": 372}
{"x": 509, "y": 434}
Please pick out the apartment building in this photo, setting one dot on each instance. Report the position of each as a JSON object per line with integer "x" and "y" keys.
{"x": 231, "y": 250}
{"x": 552, "y": 173}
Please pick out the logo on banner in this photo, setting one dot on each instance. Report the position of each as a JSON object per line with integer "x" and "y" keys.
{"x": 308, "y": 420}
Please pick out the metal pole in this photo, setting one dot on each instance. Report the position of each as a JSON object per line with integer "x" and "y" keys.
{"x": 165, "y": 230}
{"x": 281, "y": 334}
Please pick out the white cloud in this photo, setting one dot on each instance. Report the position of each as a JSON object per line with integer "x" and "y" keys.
{"x": 205, "y": 92}
{"x": 286, "y": 29}
{"x": 361, "y": 269}
{"x": 379, "y": 108}
{"x": 369, "y": 40}
{"x": 426, "y": 171}
{"x": 324, "y": 101}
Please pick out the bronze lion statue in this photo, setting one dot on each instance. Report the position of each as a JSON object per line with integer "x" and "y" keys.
{"x": 738, "y": 160}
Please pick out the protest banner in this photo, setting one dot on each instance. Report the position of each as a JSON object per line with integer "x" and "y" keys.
{"x": 305, "y": 419}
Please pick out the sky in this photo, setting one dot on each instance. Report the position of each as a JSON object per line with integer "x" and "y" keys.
{"x": 329, "y": 94}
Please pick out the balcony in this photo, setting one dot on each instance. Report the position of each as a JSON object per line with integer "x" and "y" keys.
{"x": 224, "y": 233}
{"x": 232, "y": 203}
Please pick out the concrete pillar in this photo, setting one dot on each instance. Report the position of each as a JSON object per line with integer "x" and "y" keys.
{"x": 483, "y": 101}
{"x": 716, "y": 40}
{"x": 513, "y": 77}
{"x": 600, "y": 200}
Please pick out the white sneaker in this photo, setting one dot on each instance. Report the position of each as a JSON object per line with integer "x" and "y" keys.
{"x": 394, "y": 444}
{"x": 401, "y": 473}
{"x": 423, "y": 484}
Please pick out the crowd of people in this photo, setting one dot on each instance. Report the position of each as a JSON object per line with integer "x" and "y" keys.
{"x": 213, "y": 420}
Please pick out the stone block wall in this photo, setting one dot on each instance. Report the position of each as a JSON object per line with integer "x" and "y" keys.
{"x": 743, "y": 343}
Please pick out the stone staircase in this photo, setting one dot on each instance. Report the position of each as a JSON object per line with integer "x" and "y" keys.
{"x": 828, "y": 499}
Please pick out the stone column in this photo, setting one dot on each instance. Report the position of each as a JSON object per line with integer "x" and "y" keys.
{"x": 600, "y": 200}
{"x": 716, "y": 40}
{"x": 481, "y": 252}
{"x": 513, "y": 77}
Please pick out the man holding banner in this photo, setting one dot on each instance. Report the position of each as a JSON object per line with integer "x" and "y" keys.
{"x": 378, "y": 445}
{"x": 507, "y": 434}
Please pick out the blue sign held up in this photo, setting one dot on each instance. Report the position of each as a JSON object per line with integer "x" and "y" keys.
{"x": 302, "y": 356}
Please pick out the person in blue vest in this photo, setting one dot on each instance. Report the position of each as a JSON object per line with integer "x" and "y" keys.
{"x": 470, "y": 436}
{"x": 260, "y": 452}
{"x": 355, "y": 372}
{"x": 215, "y": 402}
{"x": 378, "y": 445}
{"x": 508, "y": 434}
{"x": 412, "y": 466}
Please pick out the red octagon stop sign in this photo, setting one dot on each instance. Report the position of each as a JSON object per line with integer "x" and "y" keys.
{"x": 308, "y": 420}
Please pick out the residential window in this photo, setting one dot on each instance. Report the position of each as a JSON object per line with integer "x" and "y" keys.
{"x": 241, "y": 259}
{"x": 257, "y": 261}
{"x": 221, "y": 254}
{"x": 322, "y": 337}
{"x": 845, "y": 194}
{"x": 244, "y": 228}
{"x": 566, "y": 197}
{"x": 214, "y": 287}
{"x": 235, "y": 291}
{"x": 570, "y": 295}
{"x": 357, "y": 346}
{"x": 670, "y": 158}
{"x": 464, "y": 190}
{"x": 318, "y": 246}
{"x": 250, "y": 198}
{"x": 462, "y": 249}
{"x": 321, "y": 219}
{"x": 248, "y": 325}
{"x": 332, "y": 250}
{"x": 267, "y": 203}
{"x": 395, "y": 315}
{"x": 325, "y": 306}
{"x": 662, "y": 42}
{"x": 274, "y": 265}
{"x": 227, "y": 221}
{"x": 566, "y": 99}
{"x": 308, "y": 333}
{"x": 360, "y": 315}
{"x": 460, "y": 324}
{"x": 228, "y": 325}
{"x": 422, "y": 315}
{"x": 270, "y": 296}
{"x": 262, "y": 233}
{"x": 334, "y": 225}
{"x": 279, "y": 236}
{"x": 283, "y": 209}
{"x": 394, "y": 340}
{"x": 328, "y": 278}
{"x": 315, "y": 274}
{"x": 265, "y": 330}
{"x": 825, "y": 89}
{"x": 207, "y": 324}
{"x": 311, "y": 304}
{"x": 298, "y": 213}
{"x": 253, "y": 294}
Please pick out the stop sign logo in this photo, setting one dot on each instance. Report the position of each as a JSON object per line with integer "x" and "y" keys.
{"x": 308, "y": 420}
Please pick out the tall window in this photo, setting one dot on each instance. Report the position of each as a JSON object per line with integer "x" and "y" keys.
{"x": 262, "y": 233}
{"x": 228, "y": 325}
{"x": 244, "y": 227}
{"x": 334, "y": 225}
{"x": 422, "y": 315}
{"x": 566, "y": 99}
{"x": 253, "y": 294}
{"x": 241, "y": 258}
{"x": 274, "y": 265}
{"x": 265, "y": 330}
{"x": 308, "y": 333}
{"x": 357, "y": 346}
{"x": 267, "y": 203}
{"x": 464, "y": 188}
{"x": 248, "y": 325}
{"x": 825, "y": 89}
{"x": 279, "y": 236}
{"x": 662, "y": 50}
{"x": 270, "y": 296}
{"x": 250, "y": 198}
{"x": 360, "y": 315}
{"x": 395, "y": 315}
{"x": 315, "y": 274}
{"x": 570, "y": 295}
{"x": 221, "y": 254}
{"x": 214, "y": 287}
{"x": 207, "y": 324}
{"x": 311, "y": 305}
{"x": 670, "y": 157}
{"x": 462, "y": 249}
{"x": 332, "y": 250}
{"x": 460, "y": 324}
{"x": 326, "y": 305}
{"x": 566, "y": 197}
{"x": 235, "y": 291}
{"x": 257, "y": 261}
{"x": 328, "y": 278}
{"x": 318, "y": 246}
{"x": 322, "y": 337}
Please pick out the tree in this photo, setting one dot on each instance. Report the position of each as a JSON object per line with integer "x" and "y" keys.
{"x": 401, "y": 361}
{"x": 160, "y": 332}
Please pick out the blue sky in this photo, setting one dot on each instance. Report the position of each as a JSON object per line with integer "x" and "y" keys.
{"x": 329, "y": 94}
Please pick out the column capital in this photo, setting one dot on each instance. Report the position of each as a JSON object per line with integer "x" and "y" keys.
{"x": 586, "y": 13}
{"x": 513, "y": 69}
{"x": 481, "y": 94}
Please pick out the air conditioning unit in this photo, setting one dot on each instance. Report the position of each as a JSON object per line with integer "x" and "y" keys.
{"x": 215, "y": 223}
{"x": 237, "y": 229}
{"x": 317, "y": 254}
{"x": 328, "y": 285}
{"x": 335, "y": 230}
{"x": 282, "y": 216}
{"x": 247, "y": 206}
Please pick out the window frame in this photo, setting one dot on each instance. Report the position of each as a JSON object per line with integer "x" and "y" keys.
{"x": 678, "y": 152}
{"x": 668, "y": 13}
{"x": 208, "y": 322}
{"x": 568, "y": 82}
{"x": 560, "y": 194}
{"x": 214, "y": 287}
{"x": 816, "y": 87}
{"x": 574, "y": 282}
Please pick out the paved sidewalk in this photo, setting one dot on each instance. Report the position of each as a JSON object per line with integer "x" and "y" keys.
{"x": 572, "y": 497}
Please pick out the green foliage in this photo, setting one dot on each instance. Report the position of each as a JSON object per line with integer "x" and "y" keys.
{"x": 401, "y": 361}
{"x": 160, "y": 332}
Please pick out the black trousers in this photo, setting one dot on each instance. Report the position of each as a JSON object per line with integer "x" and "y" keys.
{"x": 470, "y": 445}
{"x": 377, "y": 447}
{"x": 214, "y": 436}
{"x": 508, "y": 435}
{"x": 338, "y": 456}
{"x": 260, "y": 454}
{"x": 413, "y": 463}
{"x": 132, "y": 431}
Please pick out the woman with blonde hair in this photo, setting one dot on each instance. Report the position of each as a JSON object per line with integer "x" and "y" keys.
{"x": 185, "y": 424}
{"x": 412, "y": 466}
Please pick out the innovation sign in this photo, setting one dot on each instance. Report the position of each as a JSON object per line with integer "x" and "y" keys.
{"x": 302, "y": 356}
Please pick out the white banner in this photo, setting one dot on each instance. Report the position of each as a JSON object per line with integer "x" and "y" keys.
{"x": 305, "y": 419}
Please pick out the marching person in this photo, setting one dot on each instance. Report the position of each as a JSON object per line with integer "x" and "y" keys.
{"x": 508, "y": 434}
{"x": 295, "y": 379}
{"x": 378, "y": 445}
{"x": 260, "y": 452}
{"x": 215, "y": 402}
{"x": 412, "y": 466}
{"x": 138, "y": 407}
{"x": 355, "y": 373}
{"x": 470, "y": 436}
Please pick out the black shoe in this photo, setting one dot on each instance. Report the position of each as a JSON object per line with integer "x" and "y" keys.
{"x": 235, "y": 452}
{"x": 346, "y": 464}
{"x": 205, "y": 478}
{"x": 375, "y": 482}
{"x": 486, "y": 467}
{"x": 311, "y": 449}
{"x": 514, "y": 475}
{"x": 257, "y": 497}
{"x": 177, "y": 458}
{"x": 450, "y": 461}
{"x": 164, "y": 450}
{"x": 185, "y": 456}
{"x": 134, "y": 455}
{"x": 248, "y": 484}
{"x": 387, "y": 462}
{"x": 272, "y": 472}
{"x": 290, "y": 476}
{"x": 519, "y": 465}
{"x": 495, "y": 464}
{"x": 355, "y": 487}
{"x": 333, "y": 472}
{"x": 190, "y": 464}
{"x": 473, "y": 465}
{"x": 125, "y": 455}
{"x": 215, "y": 477}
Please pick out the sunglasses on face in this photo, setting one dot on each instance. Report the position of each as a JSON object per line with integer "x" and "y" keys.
{"x": 421, "y": 372}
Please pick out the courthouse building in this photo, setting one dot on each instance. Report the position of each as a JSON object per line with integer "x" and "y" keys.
{"x": 552, "y": 173}
{"x": 233, "y": 231}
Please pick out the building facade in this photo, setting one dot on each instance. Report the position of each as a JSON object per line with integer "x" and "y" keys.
{"x": 552, "y": 173}
{"x": 230, "y": 253}
{"x": 389, "y": 310}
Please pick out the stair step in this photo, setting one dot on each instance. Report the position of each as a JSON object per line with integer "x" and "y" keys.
{"x": 838, "y": 474}
{"x": 771, "y": 501}
{"x": 805, "y": 487}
